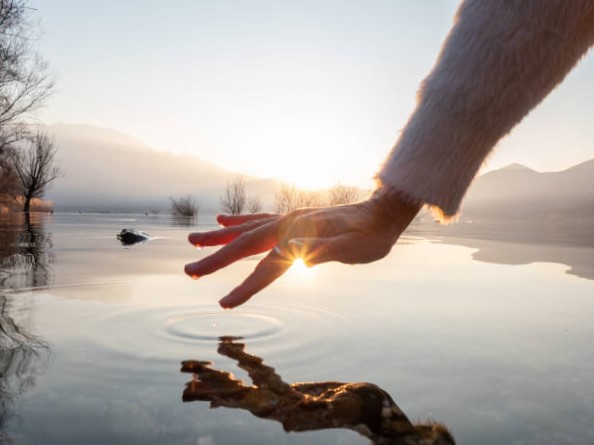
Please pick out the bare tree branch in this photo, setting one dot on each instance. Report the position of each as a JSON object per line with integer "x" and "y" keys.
{"x": 24, "y": 80}
{"x": 341, "y": 194}
{"x": 254, "y": 204}
{"x": 235, "y": 198}
{"x": 35, "y": 166}
{"x": 290, "y": 197}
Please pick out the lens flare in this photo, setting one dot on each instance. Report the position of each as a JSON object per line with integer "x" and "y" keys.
{"x": 299, "y": 266}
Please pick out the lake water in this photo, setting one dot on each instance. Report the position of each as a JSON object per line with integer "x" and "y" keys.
{"x": 493, "y": 338}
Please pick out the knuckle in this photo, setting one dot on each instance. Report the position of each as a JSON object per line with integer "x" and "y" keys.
{"x": 245, "y": 238}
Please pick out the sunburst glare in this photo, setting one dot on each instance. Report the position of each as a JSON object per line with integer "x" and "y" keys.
{"x": 299, "y": 268}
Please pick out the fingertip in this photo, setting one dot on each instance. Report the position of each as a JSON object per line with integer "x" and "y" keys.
{"x": 188, "y": 269}
{"x": 235, "y": 298}
{"x": 193, "y": 238}
{"x": 225, "y": 303}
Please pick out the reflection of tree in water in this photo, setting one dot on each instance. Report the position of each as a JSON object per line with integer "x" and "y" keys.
{"x": 25, "y": 251}
{"x": 20, "y": 354}
{"x": 183, "y": 221}
{"x": 362, "y": 407}
{"x": 25, "y": 260}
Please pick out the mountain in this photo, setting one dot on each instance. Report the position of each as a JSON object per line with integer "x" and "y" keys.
{"x": 517, "y": 192}
{"x": 106, "y": 170}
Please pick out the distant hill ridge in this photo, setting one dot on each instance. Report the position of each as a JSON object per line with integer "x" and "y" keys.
{"x": 518, "y": 192}
{"x": 516, "y": 167}
{"x": 108, "y": 170}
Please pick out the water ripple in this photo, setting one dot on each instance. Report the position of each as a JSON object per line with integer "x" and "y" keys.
{"x": 287, "y": 335}
{"x": 210, "y": 326}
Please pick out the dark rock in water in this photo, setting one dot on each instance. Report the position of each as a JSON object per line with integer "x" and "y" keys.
{"x": 129, "y": 237}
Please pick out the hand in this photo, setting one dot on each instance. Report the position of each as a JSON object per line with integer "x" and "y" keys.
{"x": 354, "y": 233}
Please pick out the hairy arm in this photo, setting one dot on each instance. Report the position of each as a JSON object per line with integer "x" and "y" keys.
{"x": 500, "y": 59}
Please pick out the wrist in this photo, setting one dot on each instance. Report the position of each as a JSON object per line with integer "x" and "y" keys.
{"x": 396, "y": 204}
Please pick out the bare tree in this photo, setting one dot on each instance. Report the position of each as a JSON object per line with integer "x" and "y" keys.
{"x": 35, "y": 167}
{"x": 287, "y": 198}
{"x": 254, "y": 204}
{"x": 290, "y": 197}
{"x": 342, "y": 194}
{"x": 311, "y": 198}
{"x": 24, "y": 80}
{"x": 235, "y": 198}
{"x": 24, "y": 84}
{"x": 185, "y": 206}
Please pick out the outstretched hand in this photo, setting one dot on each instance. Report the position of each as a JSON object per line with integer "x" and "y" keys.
{"x": 355, "y": 233}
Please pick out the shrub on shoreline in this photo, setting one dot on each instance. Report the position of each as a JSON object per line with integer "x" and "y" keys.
{"x": 185, "y": 206}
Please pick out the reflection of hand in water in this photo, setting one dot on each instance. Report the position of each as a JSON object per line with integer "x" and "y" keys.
{"x": 362, "y": 407}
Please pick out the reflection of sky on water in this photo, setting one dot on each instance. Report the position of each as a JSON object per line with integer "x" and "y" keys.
{"x": 499, "y": 353}
{"x": 521, "y": 243}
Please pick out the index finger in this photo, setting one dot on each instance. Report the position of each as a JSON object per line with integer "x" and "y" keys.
{"x": 248, "y": 243}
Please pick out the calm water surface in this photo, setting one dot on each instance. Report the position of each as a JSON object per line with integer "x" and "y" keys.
{"x": 491, "y": 337}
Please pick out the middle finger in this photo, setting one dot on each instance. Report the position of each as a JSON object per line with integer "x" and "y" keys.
{"x": 258, "y": 240}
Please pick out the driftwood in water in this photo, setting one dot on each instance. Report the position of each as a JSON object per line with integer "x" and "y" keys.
{"x": 129, "y": 237}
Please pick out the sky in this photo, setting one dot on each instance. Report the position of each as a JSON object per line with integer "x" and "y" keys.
{"x": 314, "y": 92}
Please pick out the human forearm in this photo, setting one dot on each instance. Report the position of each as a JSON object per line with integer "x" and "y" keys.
{"x": 499, "y": 61}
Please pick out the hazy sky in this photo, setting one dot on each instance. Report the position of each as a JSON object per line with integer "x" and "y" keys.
{"x": 310, "y": 91}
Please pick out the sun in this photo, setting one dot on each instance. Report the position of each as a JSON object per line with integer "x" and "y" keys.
{"x": 298, "y": 150}
{"x": 299, "y": 266}
{"x": 305, "y": 170}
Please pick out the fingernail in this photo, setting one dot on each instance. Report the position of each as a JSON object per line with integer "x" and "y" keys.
{"x": 295, "y": 242}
